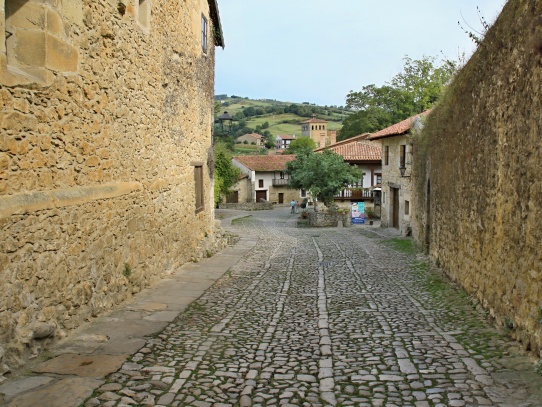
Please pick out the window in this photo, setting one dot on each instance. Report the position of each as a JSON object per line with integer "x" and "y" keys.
{"x": 407, "y": 207}
{"x": 379, "y": 178}
{"x": 260, "y": 183}
{"x": 204, "y": 34}
{"x": 198, "y": 182}
{"x": 402, "y": 156}
{"x": 386, "y": 155}
{"x": 282, "y": 175}
{"x": 303, "y": 194}
{"x": 383, "y": 197}
{"x": 144, "y": 13}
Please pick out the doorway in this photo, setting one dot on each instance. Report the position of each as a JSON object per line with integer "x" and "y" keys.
{"x": 395, "y": 208}
{"x": 261, "y": 195}
{"x": 281, "y": 197}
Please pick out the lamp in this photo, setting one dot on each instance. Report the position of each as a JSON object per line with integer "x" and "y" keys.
{"x": 402, "y": 170}
{"x": 225, "y": 123}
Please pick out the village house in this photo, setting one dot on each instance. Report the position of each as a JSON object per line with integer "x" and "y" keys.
{"x": 106, "y": 165}
{"x": 266, "y": 179}
{"x": 317, "y": 129}
{"x": 367, "y": 156}
{"x": 396, "y": 173}
{"x": 282, "y": 141}
{"x": 251, "y": 138}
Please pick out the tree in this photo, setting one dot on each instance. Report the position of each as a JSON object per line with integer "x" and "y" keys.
{"x": 410, "y": 92}
{"x": 299, "y": 145}
{"x": 324, "y": 175}
{"x": 226, "y": 174}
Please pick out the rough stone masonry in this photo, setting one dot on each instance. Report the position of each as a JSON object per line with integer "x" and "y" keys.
{"x": 106, "y": 110}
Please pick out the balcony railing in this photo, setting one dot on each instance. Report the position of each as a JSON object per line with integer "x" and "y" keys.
{"x": 280, "y": 182}
{"x": 355, "y": 193}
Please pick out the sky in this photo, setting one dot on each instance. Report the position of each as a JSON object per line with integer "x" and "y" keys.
{"x": 317, "y": 51}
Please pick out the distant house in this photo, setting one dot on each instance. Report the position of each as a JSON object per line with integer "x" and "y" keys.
{"x": 396, "y": 170}
{"x": 252, "y": 138}
{"x": 367, "y": 156}
{"x": 267, "y": 178}
{"x": 317, "y": 130}
{"x": 283, "y": 141}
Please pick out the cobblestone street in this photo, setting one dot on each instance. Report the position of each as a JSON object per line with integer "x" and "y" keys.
{"x": 326, "y": 317}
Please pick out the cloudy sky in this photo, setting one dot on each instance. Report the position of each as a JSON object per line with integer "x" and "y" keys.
{"x": 318, "y": 50}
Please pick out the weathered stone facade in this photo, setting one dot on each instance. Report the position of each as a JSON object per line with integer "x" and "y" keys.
{"x": 105, "y": 132}
{"x": 478, "y": 186}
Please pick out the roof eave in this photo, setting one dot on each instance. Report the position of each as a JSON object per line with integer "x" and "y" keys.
{"x": 215, "y": 17}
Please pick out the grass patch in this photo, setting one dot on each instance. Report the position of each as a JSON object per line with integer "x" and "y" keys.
{"x": 402, "y": 245}
{"x": 241, "y": 221}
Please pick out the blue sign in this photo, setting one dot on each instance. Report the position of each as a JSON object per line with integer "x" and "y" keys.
{"x": 358, "y": 212}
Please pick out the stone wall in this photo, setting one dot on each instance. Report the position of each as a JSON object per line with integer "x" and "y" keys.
{"x": 103, "y": 129}
{"x": 247, "y": 206}
{"x": 328, "y": 219}
{"x": 478, "y": 168}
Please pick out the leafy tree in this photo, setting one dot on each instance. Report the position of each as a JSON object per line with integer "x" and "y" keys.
{"x": 299, "y": 145}
{"x": 410, "y": 92}
{"x": 226, "y": 174}
{"x": 323, "y": 175}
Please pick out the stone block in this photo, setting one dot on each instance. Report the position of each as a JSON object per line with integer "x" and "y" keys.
{"x": 60, "y": 55}
{"x": 55, "y": 25}
{"x": 72, "y": 11}
{"x": 28, "y": 48}
{"x": 26, "y": 15}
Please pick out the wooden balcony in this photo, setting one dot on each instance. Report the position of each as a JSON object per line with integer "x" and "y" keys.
{"x": 280, "y": 182}
{"x": 359, "y": 194}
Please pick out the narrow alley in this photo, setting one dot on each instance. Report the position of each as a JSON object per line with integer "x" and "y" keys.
{"x": 325, "y": 317}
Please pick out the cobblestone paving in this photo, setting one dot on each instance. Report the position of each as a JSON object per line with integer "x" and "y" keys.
{"x": 322, "y": 317}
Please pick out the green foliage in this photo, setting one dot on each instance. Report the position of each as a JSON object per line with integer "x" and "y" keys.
{"x": 299, "y": 145}
{"x": 324, "y": 175}
{"x": 127, "y": 271}
{"x": 413, "y": 90}
{"x": 226, "y": 174}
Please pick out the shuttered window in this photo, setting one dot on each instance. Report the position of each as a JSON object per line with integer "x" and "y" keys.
{"x": 198, "y": 182}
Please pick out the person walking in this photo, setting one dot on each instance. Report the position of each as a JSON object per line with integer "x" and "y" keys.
{"x": 296, "y": 206}
{"x": 292, "y": 206}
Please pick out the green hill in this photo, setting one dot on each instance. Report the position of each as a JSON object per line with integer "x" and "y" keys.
{"x": 273, "y": 117}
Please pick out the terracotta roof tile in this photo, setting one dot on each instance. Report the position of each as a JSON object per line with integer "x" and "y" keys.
{"x": 355, "y": 149}
{"x": 398, "y": 128}
{"x": 287, "y": 136}
{"x": 255, "y": 135}
{"x": 265, "y": 162}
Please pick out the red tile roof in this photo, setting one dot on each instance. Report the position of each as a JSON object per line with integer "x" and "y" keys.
{"x": 313, "y": 120}
{"x": 398, "y": 128}
{"x": 357, "y": 149}
{"x": 287, "y": 136}
{"x": 265, "y": 162}
{"x": 255, "y": 135}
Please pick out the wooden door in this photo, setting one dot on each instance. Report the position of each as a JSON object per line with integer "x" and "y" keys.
{"x": 281, "y": 198}
{"x": 261, "y": 195}
{"x": 232, "y": 197}
{"x": 395, "y": 208}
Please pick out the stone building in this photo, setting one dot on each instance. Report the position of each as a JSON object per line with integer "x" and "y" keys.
{"x": 106, "y": 110}
{"x": 252, "y": 138}
{"x": 478, "y": 175}
{"x": 267, "y": 178}
{"x": 317, "y": 130}
{"x": 396, "y": 173}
